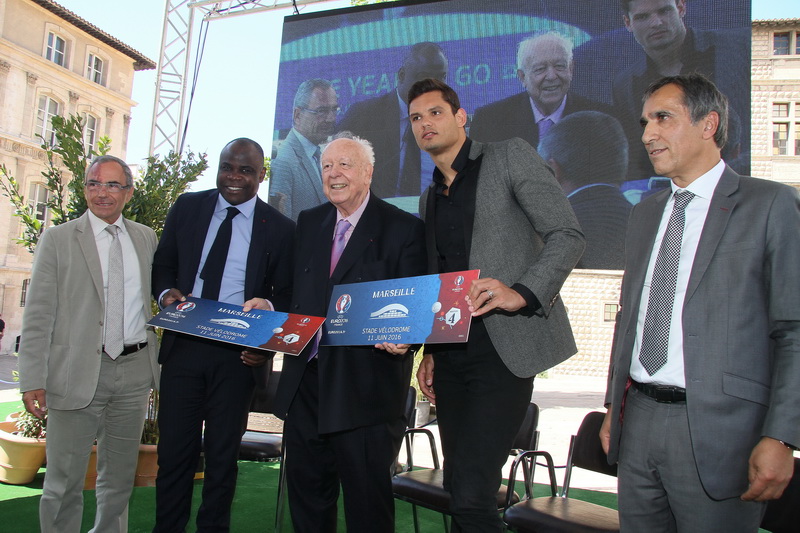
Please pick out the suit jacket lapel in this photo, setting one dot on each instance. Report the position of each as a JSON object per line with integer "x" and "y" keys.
{"x": 647, "y": 229}
{"x": 719, "y": 213}
{"x": 321, "y": 257}
{"x": 258, "y": 249}
{"x": 206, "y": 212}
{"x": 528, "y": 130}
{"x": 139, "y": 245}
{"x": 313, "y": 174}
{"x": 88, "y": 246}
{"x": 393, "y": 131}
{"x": 362, "y": 238}
{"x": 471, "y": 219}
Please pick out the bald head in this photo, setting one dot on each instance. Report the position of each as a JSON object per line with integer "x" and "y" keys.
{"x": 424, "y": 60}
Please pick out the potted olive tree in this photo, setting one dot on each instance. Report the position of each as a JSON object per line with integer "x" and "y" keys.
{"x": 22, "y": 448}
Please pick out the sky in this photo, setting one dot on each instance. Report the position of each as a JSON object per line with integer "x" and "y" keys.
{"x": 237, "y": 84}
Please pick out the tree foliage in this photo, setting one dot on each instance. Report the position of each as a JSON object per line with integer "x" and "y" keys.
{"x": 162, "y": 181}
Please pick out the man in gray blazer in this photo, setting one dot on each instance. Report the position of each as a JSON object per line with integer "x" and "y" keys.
{"x": 296, "y": 179}
{"x": 704, "y": 386}
{"x": 91, "y": 377}
{"x": 495, "y": 207}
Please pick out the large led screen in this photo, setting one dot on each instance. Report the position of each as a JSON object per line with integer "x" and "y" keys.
{"x": 566, "y": 76}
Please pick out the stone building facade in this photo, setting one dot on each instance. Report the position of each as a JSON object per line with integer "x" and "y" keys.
{"x": 52, "y": 62}
{"x": 775, "y": 100}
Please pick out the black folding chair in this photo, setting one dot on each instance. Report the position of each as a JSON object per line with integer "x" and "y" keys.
{"x": 425, "y": 487}
{"x": 560, "y": 513}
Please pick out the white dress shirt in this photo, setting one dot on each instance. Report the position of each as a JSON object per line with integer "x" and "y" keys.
{"x": 555, "y": 116}
{"x": 672, "y": 373}
{"x": 232, "y": 288}
{"x": 134, "y": 302}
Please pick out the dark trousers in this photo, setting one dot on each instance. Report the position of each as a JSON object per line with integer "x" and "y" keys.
{"x": 360, "y": 459}
{"x": 480, "y": 405}
{"x": 200, "y": 381}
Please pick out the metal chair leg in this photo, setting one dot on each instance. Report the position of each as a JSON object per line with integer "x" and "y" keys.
{"x": 281, "y": 493}
{"x": 416, "y": 520}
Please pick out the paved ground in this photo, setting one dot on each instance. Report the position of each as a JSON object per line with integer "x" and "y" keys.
{"x": 8, "y": 363}
{"x": 563, "y": 402}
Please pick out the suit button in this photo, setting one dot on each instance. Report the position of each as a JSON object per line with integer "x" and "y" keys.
{"x": 306, "y": 269}
{"x": 101, "y": 322}
{"x": 297, "y": 306}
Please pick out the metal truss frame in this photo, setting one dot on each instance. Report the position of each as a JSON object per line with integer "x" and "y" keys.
{"x": 173, "y": 62}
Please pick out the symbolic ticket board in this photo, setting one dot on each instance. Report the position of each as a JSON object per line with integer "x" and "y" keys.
{"x": 264, "y": 330}
{"x": 429, "y": 309}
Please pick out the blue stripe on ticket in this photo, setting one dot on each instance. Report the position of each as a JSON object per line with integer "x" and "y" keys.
{"x": 421, "y": 309}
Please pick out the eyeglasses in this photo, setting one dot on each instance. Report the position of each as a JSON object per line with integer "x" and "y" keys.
{"x": 111, "y": 186}
{"x": 334, "y": 110}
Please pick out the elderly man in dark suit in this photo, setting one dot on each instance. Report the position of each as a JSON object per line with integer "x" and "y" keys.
{"x": 223, "y": 244}
{"x": 494, "y": 207}
{"x": 343, "y": 406}
{"x": 86, "y": 358}
{"x": 545, "y": 69}
{"x": 704, "y": 385}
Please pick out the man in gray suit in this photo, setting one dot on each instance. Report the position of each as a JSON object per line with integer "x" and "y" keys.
{"x": 86, "y": 358}
{"x": 296, "y": 179}
{"x": 704, "y": 386}
{"x": 519, "y": 324}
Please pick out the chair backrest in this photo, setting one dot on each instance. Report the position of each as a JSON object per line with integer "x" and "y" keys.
{"x": 527, "y": 437}
{"x": 586, "y": 451}
{"x": 410, "y": 410}
{"x": 264, "y": 396}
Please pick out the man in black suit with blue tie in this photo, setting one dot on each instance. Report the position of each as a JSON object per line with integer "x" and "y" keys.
{"x": 223, "y": 244}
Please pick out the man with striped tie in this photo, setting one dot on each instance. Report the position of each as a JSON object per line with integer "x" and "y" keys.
{"x": 86, "y": 358}
{"x": 704, "y": 386}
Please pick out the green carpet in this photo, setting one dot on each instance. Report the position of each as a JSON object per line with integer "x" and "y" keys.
{"x": 6, "y": 408}
{"x": 253, "y": 506}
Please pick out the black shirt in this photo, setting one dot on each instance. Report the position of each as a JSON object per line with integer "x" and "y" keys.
{"x": 453, "y": 219}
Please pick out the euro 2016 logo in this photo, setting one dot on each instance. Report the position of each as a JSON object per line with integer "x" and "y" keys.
{"x": 186, "y": 306}
{"x": 458, "y": 282}
{"x": 343, "y": 303}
